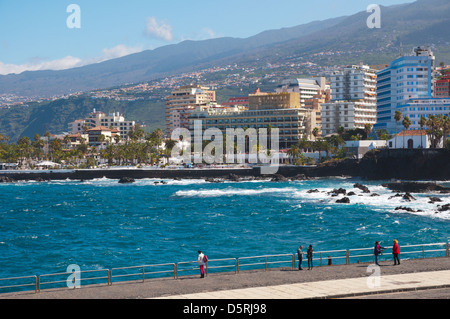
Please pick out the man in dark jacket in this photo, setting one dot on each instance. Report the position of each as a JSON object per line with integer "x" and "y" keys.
{"x": 300, "y": 257}
{"x": 377, "y": 251}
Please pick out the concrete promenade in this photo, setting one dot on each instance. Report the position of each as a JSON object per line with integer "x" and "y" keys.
{"x": 341, "y": 288}
{"x": 414, "y": 279}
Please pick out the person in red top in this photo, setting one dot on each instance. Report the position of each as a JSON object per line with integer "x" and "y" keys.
{"x": 396, "y": 252}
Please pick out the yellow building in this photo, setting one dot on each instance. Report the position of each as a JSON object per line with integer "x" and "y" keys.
{"x": 182, "y": 101}
{"x": 275, "y": 110}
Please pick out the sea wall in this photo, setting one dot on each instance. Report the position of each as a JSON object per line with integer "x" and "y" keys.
{"x": 376, "y": 165}
{"x": 406, "y": 164}
{"x": 88, "y": 174}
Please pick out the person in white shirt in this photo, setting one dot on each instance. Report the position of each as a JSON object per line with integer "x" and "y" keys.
{"x": 201, "y": 263}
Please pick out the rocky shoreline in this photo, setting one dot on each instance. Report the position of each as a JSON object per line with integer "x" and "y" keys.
{"x": 402, "y": 164}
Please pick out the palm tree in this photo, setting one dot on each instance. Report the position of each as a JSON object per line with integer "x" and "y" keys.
{"x": 367, "y": 129}
{"x": 24, "y": 147}
{"x": 341, "y": 131}
{"x": 66, "y": 141}
{"x": 304, "y": 144}
{"x": 445, "y": 129}
{"x": 422, "y": 123}
{"x": 406, "y": 124}
{"x": 321, "y": 145}
{"x": 434, "y": 130}
{"x": 294, "y": 152}
{"x": 397, "y": 117}
{"x": 316, "y": 132}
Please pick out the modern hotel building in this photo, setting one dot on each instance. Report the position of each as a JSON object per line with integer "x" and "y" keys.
{"x": 407, "y": 77}
{"x": 276, "y": 110}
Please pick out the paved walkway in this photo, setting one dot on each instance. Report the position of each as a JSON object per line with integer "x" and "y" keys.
{"x": 333, "y": 288}
{"x": 337, "y": 281}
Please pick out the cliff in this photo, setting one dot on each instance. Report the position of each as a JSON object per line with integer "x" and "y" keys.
{"x": 406, "y": 164}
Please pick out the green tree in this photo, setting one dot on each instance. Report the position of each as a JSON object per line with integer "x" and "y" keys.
{"x": 294, "y": 153}
{"x": 406, "y": 124}
{"x": 422, "y": 123}
{"x": 397, "y": 117}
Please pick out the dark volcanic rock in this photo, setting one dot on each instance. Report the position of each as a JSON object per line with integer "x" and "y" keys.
{"x": 365, "y": 189}
{"x": 396, "y": 195}
{"x": 344, "y": 200}
{"x": 234, "y": 178}
{"x": 126, "y": 180}
{"x": 279, "y": 178}
{"x": 416, "y": 187}
{"x": 408, "y": 209}
{"x": 444, "y": 208}
{"x": 408, "y": 197}
{"x": 336, "y": 192}
{"x": 299, "y": 177}
{"x": 434, "y": 200}
{"x": 6, "y": 179}
{"x": 313, "y": 191}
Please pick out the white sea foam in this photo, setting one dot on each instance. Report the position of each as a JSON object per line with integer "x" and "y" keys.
{"x": 385, "y": 201}
{"x": 232, "y": 191}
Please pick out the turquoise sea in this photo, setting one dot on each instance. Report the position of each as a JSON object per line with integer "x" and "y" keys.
{"x": 101, "y": 224}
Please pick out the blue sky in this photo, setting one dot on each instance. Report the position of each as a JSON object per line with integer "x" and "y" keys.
{"x": 34, "y": 34}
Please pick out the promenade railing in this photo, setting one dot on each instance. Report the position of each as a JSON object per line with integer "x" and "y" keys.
{"x": 142, "y": 272}
{"x": 71, "y": 280}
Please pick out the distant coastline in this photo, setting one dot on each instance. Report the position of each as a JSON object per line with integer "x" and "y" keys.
{"x": 403, "y": 164}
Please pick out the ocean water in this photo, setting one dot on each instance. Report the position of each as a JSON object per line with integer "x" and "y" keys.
{"x": 101, "y": 224}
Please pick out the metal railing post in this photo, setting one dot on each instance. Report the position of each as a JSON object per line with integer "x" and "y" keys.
{"x": 348, "y": 254}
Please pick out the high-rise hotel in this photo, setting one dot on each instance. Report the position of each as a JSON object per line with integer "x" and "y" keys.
{"x": 182, "y": 101}
{"x": 406, "y": 78}
{"x": 353, "y": 103}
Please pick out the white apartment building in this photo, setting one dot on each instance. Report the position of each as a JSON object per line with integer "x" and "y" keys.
{"x": 416, "y": 108}
{"x": 354, "y": 102}
{"x": 308, "y": 88}
{"x": 349, "y": 115}
{"x": 96, "y": 118}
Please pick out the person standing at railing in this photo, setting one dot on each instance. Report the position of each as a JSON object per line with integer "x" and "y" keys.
{"x": 377, "y": 251}
{"x": 309, "y": 255}
{"x": 202, "y": 259}
{"x": 300, "y": 257}
{"x": 396, "y": 252}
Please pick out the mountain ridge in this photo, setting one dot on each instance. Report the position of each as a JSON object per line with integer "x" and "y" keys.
{"x": 148, "y": 64}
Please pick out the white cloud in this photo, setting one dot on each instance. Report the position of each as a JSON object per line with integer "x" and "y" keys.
{"x": 158, "y": 30}
{"x": 203, "y": 34}
{"x": 116, "y": 52}
{"x": 36, "y": 65}
{"x": 68, "y": 62}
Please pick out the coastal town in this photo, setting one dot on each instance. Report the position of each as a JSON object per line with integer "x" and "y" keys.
{"x": 225, "y": 155}
{"x": 343, "y": 112}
